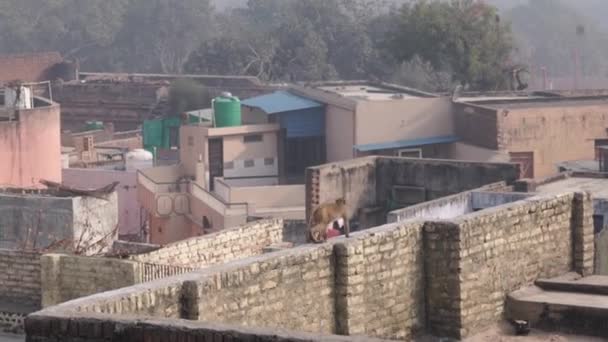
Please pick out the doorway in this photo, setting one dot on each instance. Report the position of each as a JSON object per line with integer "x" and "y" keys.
{"x": 526, "y": 163}
{"x": 216, "y": 160}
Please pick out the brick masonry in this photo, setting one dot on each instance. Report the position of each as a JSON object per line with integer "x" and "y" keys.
{"x": 28, "y": 67}
{"x": 291, "y": 290}
{"x": 449, "y": 278}
{"x": 20, "y": 278}
{"x": 380, "y": 283}
{"x": 225, "y": 246}
{"x": 475, "y": 261}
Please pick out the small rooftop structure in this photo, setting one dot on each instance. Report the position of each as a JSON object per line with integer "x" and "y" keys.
{"x": 281, "y": 101}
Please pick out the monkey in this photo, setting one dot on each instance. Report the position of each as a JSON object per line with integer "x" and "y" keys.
{"x": 325, "y": 214}
{"x": 318, "y": 233}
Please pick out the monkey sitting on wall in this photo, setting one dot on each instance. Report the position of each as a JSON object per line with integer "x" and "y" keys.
{"x": 324, "y": 215}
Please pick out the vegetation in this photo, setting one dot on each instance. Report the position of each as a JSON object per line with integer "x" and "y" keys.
{"x": 431, "y": 44}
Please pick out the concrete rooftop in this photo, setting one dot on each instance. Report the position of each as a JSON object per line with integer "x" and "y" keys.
{"x": 368, "y": 92}
{"x": 597, "y": 186}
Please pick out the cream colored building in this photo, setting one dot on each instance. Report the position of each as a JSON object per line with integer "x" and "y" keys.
{"x": 226, "y": 176}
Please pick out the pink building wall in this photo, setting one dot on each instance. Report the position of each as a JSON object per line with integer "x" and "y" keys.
{"x": 30, "y": 147}
{"x": 128, "y": 206}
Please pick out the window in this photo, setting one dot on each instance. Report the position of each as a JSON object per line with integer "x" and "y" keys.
{"x": 87, "y": 143}
{"x": 173, "y": 136}
{"x": 410, "y": 153}
{"x": 268, "y": 161}
{"x": 229, "y": 166}
{"x": 253, "y": 138}
{"x": 249, "y": 163}
{"x": 190, "y": 141}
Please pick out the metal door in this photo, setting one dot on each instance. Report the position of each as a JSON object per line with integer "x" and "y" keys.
{"x": 526, "y": 163}
{"x": 216, "y": 160}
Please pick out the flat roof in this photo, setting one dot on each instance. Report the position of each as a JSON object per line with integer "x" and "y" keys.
{"x": 281, "y": 101}
{"x": 598, "y": 187}
{"x": 407, "y": 143}
{"x": 539, "y": 102}
{"x": 369, "y": 92}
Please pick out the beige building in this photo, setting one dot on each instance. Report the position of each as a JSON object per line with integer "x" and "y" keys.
{"x": 241, "y": 152}
{"x": 537, "y": 131}
{"x": 227, "y": 175}
{"x": 363, "y": 118}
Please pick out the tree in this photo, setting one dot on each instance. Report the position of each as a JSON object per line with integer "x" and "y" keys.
{"x": 162, "y": 34}
{"x": 291, "y": 40}
{"x": 463, "y": 37}
{"x": 69, "y": 26}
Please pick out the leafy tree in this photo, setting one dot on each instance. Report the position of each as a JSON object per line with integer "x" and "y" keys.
{"x": 463, "y": 37}
{"x": 162, "y": 34}
{"x": 70, "y": 26}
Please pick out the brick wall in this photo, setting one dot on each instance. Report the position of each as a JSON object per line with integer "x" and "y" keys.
{"x": 20, "y": 278}
{"x": 106, "y": 328}
{"x": 380, "y": 287}
{"x": 66, "y": 277}
{"x": 291, "y": 290}
{"x": 450, "y": 278}
{"x": 28, "y": 67}
{"x": 224, "y": 246}
{"x": 476, "y": 260}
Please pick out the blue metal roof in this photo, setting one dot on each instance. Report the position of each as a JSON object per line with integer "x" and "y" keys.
{"x": 407, "y": 143}
{"x": 280, "y": 101}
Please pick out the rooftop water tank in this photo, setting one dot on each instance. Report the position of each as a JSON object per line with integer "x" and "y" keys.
{"x": 227, "y": 110}
{"x": 93, "y": 125}
{"x": 139, "y": 159}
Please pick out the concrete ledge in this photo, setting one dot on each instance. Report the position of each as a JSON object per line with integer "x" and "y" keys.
{"x": 135, "y": 329}
{"x": 573, "y": 282}
{"x": 554, "y": 311}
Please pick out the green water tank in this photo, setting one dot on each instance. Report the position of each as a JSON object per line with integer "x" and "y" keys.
{"x": 93, "y": 125}
{"x": 227, "y": 111}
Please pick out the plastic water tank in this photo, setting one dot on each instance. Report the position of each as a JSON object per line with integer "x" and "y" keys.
{"x": 139, "y": 159}
{"x": 227, "y": 110}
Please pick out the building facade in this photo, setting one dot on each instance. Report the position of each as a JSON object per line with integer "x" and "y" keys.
{"x": 538, "y": 133}
{"x": 30, "y": 144}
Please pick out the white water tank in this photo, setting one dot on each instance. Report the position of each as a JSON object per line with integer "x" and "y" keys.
{"x": 139, "y": 159}
{"x": 19, "y": 98}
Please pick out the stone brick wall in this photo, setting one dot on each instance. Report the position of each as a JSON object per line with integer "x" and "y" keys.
{"x": 224, "y": 246}
{"x": 449, "y": 278}
{"x": 291, "y": 290}
{"x": 66, "y": 277}
{"x": 20, "y": 278}
{"x": 380, "y": 283}
{"x": 476, "y": 260}
{"x": 104, "y": 328}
